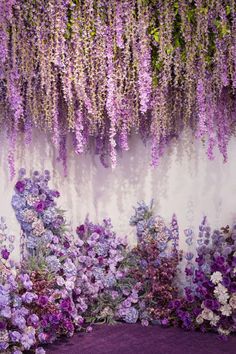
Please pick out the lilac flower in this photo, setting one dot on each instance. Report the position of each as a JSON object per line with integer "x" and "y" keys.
{"x": 5, "y": 254}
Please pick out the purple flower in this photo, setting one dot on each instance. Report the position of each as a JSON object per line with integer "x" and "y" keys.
{"x": 211, "y": 304}
{"x": 233, "y": 287}
{"x": 55, "y": 194}
{"x": 66, "y": 305}
{"x": 20, "y": 186}
{"x": 40, "y": 206}
{"x": 5, "y": 254}
{"x": 165, "y": 322}
{"x": 43, "y": 300}
{"x": 80, "y": 229}
{"x": 15, "y": 336}
{"x": 226, "y": 281}
{"x": 66, "y": 244}
{"x": 3, "y": 325}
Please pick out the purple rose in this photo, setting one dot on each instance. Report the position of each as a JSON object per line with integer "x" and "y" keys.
{"x": 220, "y": 260}
{"x": 43, "y": 300}
{"x": 20, "y": 186}
{"x": 226, "y": 282}
{"x": 66, "y": 305}
{"x": 80, "y": 229}
{"x": 175, "y": 304}
{"x": 55, "y": 194}
{"x": 188, "y": 271}
{"x": 66, "y": 244}
{"x": 69, "y": 326}
{"x": 199, "y": 276}
{"x": 3, "y": 325}
{"x": 40, "y": 206}
{"x": 55, "y": 318}
{"x": 210, "y": 304}
{"x": 165, "y": 322}
{"x": 233, "y": 287}
{"x": 5, "y": 254}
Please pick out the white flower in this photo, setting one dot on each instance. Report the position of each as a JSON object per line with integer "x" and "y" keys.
{"x": 207, "y": 314}
{"x": 221, "y": 293}
{"x": 223, "y": 331}
{"x": 215, "y": 320}
{"x": 199, "y": 319}
{"x": 226, "y": 310}
{"x": 223, "y": 298}
{"x": 216, "y": 277}
{"x": 31, "y": 200}
{"x": 30, "y": 215}
{"x": 220, "y": 289}
{"x": 69, "y": 285}
{"x": 60, "y": 281}
{"x": 232, "y": 301}
{"x": 38, "y": 227}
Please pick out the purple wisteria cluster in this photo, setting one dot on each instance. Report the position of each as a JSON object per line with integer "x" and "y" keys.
{"x": 102, "y": 70}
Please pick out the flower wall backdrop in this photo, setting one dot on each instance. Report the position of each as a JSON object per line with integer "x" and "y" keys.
{"x": 65, "y": 282}
{"x": 100, "y": 70}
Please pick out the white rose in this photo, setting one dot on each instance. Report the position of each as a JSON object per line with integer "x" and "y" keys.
{"x": 215, "y": 320}
{"x": 199, "y": 319}
{"x": 226, "y": 310}
{"x": 232, "y": 301}
{"x": 207, "y": 314}
{"x": 216, "y": 277}
{"x": 60, "y": 281}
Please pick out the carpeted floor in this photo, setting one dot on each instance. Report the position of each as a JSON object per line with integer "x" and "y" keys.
{"x": 135, "y": 339}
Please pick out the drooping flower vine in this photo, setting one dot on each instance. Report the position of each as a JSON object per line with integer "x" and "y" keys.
{"x": 102, "y": 70}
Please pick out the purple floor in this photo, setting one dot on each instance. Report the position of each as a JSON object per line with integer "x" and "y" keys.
{"x": 135, "y": 339}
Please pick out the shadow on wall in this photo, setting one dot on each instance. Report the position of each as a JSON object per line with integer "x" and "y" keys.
{"x": 185, "y": 182}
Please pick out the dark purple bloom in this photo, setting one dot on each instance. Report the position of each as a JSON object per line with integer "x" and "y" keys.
{"x": 43, "y": 300}
{"x": 220, "y": 260}
{"x": 40, "y": 206}
{"x": 175, "y": 304}
{"x": 20, "y": 186}
{"x": 3, "y": 325}
{"x": 55, "y": 318}
{"x": 226, "y": 281}
{"x": 55, "y": 194}
{"x": 234, "y": 262}
{"x": 211, "y": 304}
{"x": 5, "y": 254}
{"x": 66, "y": 305}
{"x": 80, "y": 229}
{"x": 188, "y": 271}
{"x": 199, "y": 275}
{"x": 66, "y": 244}
{"x": 233, "y": 287}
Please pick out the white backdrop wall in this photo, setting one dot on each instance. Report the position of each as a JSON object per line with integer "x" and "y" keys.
{"x": 185, "y": 182}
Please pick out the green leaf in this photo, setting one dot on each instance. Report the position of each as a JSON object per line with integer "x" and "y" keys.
{"x": 156, "y": 36}
{"x": 228, "y": 10}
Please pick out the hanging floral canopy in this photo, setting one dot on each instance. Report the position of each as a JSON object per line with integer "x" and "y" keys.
{"x": 100, "y": 70}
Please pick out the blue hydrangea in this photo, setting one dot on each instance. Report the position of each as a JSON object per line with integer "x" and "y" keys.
{"x": 53, "y": 263}
{"x": 17, "y": 202}
{"x": 131, "y": 315}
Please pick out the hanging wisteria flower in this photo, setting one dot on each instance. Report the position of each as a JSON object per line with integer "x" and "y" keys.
{"x": 153, "y": 67}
